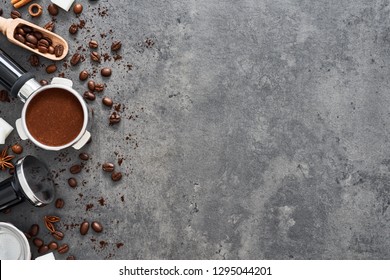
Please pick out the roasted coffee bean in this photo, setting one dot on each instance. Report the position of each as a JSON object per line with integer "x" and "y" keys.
{"x": 72, "y": 182}
{"x": 15, "y": 14}
{"x": 49, "y": 26}
{"x": 43, "y": 82}
{"x": 43, "y": 249}
{"x": 77, "y": 8}
{"x": 38, "y": 35}
{"x": 51, "y": 69}
{"x": 20, "y": 31}
{"x": 116, "y": 45}
{"x": 34, "y": 230}
{"x": 4, "y": 96}
{"x": 31, "y": 45}
{"x": 83, "y": 75}
{"x": 115, "y": 118}
{"x": 37, "y": 242}
{"x": 99, "y": 87}
{"x": 96, "y": 226}
{"x": 44, "y": 43}
{"x": 95, "y": 56}
{"x": 71, "y": 258}
{"x": 51, "y": 50}
{"x": 106, "y": 72}
{"x": 60, "y": 203}
{"x": 64, "y": 248}
{"x": 20, "y": 38}
{"x": 52, "y": 9}
{"x": 108, "y": 167}
{"x": 89, "y": 95}
{"x": 84, "y": 227}
{"x": 58, "y": 235}
{"x": 73, "y": 28}
{"x": 32, "y": 39}
{"x": 116, "y": 176}
{"x": 17, "y": 149}
{"x": 58, "y": 50}
{"x": 27, "y": 29}
{"x": 107, "y": 101}
{"x": 93, "y": 44}
{"x": 84, "y": 156}
{"x": 91, "y": 85}
{"x": 43, "y": 49}
{"x": 53, "y": 245}
{"x": 75, "y": 59}
{"x": 75, "y": 169}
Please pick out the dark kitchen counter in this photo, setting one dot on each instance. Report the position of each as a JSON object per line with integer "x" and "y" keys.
{"x": 249, "y": 130}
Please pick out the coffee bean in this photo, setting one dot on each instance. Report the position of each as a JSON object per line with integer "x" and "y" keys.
{"x": 43, "y": 249}
{"x": 107, "y": 101}
{"x": 17, "y": 149}
{"x": 75, "y": 59}
{"x": 108, "y": 167}
{"x": 72, "y": 182}
{"x": 43, "y": 43}
{"x": 99, "y": 87}
{"x": 89, "y": 95}
{"x": 115, "y": 118}
{"x": 27, "y": 29}
{"x": 20, "y": 31}
{"x": 53, "y": 245}
{"x": 116, "y": 176}
{"x": 4, "y": 96}
{"x": 83, "y": 75}
{"x": 49, "y": 26}
{"x": 60, "y": 203}
{"x": 53, "y": 9}
{"x": 75, "y": 169}
{"x": 58, "y": 235}
{"x": 73, "y": 28}
{"x": 106, "y": 72}
{"x": 93, "y": 44}
{"x": 51, "y": 50}
{"x": 37, "y": 242}
{"x": 84, "y": 156}
{"x": 34, "y": 230}
{"x": 116, "y": 45}
{"x": 77, "y": 9}
{"x": 38, "y": 35}
{"x": 20, "y": 38}
{"x": 31, "y": 45}
{"x": 84, "y": 227}
{"x": 71, "y": 258}
{"x": 96, "y": 226}
{"x": 43, "y": 49}
{"x": 15, "y": 14}
{"x": 51, "y": 69}
{"x": 32, "y": 39}
{"x": 58, "y": 50}
{"x": 43, "y": 82}
{"x": 95, "y": 56}
{"x": 64, "y": 248}
{"x": 91, "y": 85}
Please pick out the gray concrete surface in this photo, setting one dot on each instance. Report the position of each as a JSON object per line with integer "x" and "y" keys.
{"x": 251, "y": 129}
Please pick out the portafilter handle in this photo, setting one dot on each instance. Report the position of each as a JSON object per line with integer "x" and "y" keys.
{"x": 15, "y": 79}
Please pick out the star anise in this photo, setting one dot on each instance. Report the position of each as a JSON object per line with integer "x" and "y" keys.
{"x": 5, "y": 159}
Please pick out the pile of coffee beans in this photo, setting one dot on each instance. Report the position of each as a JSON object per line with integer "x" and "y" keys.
{"x": 36, "y": 40}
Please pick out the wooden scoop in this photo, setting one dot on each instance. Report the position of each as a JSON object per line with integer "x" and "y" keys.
{"x": 9, "y": 25}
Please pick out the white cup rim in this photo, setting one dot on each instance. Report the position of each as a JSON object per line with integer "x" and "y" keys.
{"x": 82, "y": 103}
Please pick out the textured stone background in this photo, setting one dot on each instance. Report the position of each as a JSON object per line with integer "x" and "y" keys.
{"x": 252, "y": 129}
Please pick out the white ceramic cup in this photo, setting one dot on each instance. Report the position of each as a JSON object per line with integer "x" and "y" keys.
{"x": 66, "y": 84}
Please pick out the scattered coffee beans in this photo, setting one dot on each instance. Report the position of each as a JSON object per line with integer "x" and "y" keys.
{"x": 37, "y": 242}
{"x": 34, "y": 60}
{"x": 75, "y": 59}
{"x": 93, "y": 44}
{"x": 116, "y": 46}
{"x": 96, "y": 226}
{"x": 58, "y": 50}
{"x": 72, "y": 182}
{"x": 58, "y": 235}
{"x": 52, "y": 9}
{"x": 75, "y": 169}
{"x": 106, "y": 72}
{"x": 49, "y": 26}
{"x": 99, "y": 87}
{"x": 51, "y": 69}
{"x": 59, "y": 204}
{"x": 114, "y": 118}
{"x": 15, "y": 14}
{"x": 91, "y": 85}
{"x": 84, "y": 156}
{"x": 84, "y": 227}
{"x": 116, "y": 176}
{"x": 95, "y": 56}
{"x": 34, "y": 230}
{"x": 77, "y": 8}
{"x": 89, "y": 95}
{"x": 43, "y": 249}
{"x": 83, "y": 75}
{"x": 17, "y": 149}
{"x": 108, "y": 167}
{"x": 64, "y": 248}
{"x": 53, "y": 245}
{"x": 107, "y": 101}
{"x": 73, "y": 28}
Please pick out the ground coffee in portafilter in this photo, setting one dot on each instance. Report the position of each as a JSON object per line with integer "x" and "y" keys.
{"x": 54, "y": 117}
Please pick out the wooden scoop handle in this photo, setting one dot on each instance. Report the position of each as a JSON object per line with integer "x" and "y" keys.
{"x": 4, "y": 24}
